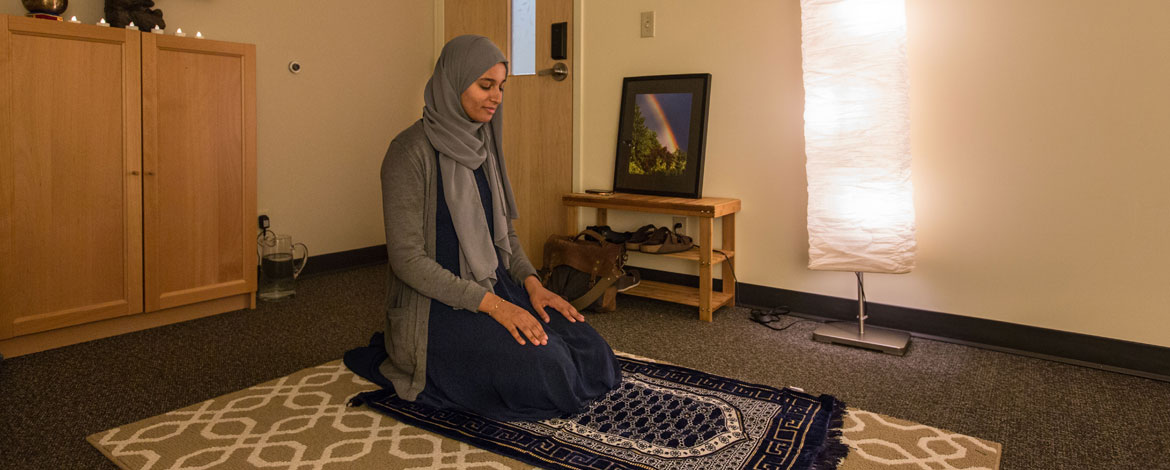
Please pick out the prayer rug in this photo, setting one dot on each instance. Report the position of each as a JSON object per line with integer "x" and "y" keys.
{"x": 660, "y": 417}
{"x": 301, "y": 421}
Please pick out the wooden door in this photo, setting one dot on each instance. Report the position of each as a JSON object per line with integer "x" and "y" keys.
{"x": 199, "y": 160}
{"x": 538, "y": 115}
{"x": 70, "y": 188}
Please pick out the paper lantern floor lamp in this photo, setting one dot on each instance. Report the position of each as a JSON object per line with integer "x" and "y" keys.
{"x": 857, "y": 145}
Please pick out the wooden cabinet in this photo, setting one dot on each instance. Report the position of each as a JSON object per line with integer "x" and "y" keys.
{"x": 127, "y": 181}
{"x": 70, "y": 203}
{"x": 198, "y": 150}
{"x": 707, "y": 210}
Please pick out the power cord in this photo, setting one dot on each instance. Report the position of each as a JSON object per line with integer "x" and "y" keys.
{"x": 730, "y": 264}
{"x": 773, "y": 315}
{"x": 761, "y": 316}
{"x": 266, "y": 237}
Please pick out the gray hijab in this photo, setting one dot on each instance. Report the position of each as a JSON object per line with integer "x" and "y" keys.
{"x": 465, "y": 145}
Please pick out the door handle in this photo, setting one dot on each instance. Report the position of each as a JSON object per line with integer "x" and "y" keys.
{"x": 558, "y": 71}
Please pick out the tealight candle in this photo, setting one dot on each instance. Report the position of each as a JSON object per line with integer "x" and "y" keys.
{"x": 199, "y": 35}
{"x": 73, "y": 20}
{"x": 102, "y": 22}
{"x": 180, "y": 33}
{"x": 131, "y": 26}
{"x": 156, "y": 30}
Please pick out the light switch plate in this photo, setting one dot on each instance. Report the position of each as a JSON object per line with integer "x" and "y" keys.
{"x": 647, "y": 23}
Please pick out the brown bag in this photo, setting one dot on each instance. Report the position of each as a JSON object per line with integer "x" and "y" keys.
{"x": 583, "y": 269}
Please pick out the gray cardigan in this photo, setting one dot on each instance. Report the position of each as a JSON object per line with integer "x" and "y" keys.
{"x": 409, "y": 195}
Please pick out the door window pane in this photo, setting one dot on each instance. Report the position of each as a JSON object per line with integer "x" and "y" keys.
{"x": 523, "y": 37}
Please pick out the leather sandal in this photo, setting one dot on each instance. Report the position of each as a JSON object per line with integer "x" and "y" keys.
{"x": 664, "y": 241}
{"x": 639, "y": 237}
{"x": 654, "y": 241}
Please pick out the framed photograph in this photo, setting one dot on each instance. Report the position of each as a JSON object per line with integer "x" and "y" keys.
{"x": 662, "y": 134}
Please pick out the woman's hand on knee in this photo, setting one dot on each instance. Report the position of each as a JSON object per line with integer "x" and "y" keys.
{"x": 542, "y": 298}
{"x": 516, "y": 320}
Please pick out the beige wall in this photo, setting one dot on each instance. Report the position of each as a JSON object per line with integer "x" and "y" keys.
{"x": 1039, "y": 133}
{"x": 1039, "y": 138}
{"x": 322, "y": 133}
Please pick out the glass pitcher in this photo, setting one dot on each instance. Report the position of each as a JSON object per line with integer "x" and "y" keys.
{"x": 279, "y": 268}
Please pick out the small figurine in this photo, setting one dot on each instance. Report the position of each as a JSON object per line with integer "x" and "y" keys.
{"x": 121, "y": 13}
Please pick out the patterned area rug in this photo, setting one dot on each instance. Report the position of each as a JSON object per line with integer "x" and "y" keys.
{"x": 301, "y": 421}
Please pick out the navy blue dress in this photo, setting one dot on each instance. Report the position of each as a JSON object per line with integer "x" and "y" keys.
{"x": 474, "y": 364}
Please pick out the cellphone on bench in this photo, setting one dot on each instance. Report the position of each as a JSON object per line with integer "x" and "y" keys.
{"x": 600, "y": 192}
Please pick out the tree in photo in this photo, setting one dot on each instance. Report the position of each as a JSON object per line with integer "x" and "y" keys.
{"x": 648, "y": 155}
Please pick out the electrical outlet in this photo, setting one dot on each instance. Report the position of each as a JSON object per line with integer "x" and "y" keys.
{"x": 647, "y": 24}
{"x": 676, "y": 222}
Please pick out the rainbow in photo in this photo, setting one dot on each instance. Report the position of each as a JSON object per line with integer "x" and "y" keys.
{"x": 660, "y": 134}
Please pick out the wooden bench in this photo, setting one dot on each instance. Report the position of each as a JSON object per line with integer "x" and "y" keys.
{"x": 706, "y": 210}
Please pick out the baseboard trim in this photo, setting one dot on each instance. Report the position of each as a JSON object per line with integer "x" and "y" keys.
{"x": 1114, "y": 355}
{"x": 51, "y": 339}
{"x": 344, "y": 260}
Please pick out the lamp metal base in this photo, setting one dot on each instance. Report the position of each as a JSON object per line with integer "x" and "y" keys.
{"x": 888, "y": 341}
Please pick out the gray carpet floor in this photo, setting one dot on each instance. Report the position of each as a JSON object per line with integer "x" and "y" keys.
{"x": 1047, "y": 415}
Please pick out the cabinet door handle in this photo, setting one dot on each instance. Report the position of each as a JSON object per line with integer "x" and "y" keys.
{"x": 149, "y": 173}
{"x": 134, "y": 172}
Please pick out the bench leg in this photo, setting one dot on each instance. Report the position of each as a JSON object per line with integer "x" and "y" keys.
{"x": 705, "y": 282}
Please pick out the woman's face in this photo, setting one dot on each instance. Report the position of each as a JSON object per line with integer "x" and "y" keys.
{"x": 482, "y": 98}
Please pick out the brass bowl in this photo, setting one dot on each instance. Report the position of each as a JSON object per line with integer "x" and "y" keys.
{"x": 52, "y": 7}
